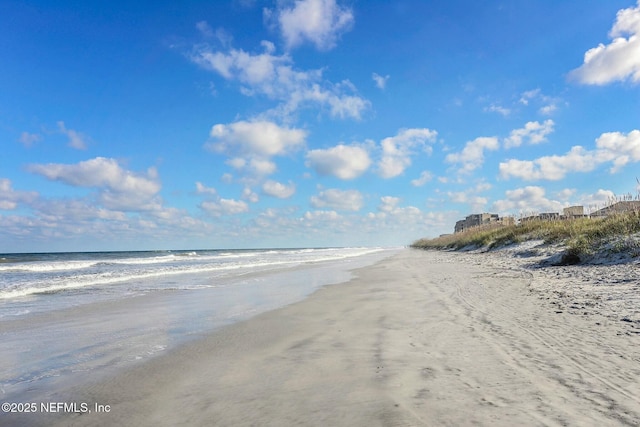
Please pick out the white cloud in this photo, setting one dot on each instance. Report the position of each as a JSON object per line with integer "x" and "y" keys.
{"x": 472, "y": 155}
{"x": 28, "y": 139}
{"x": 529, "y": 95}
{"x": 254, "y": 166}
{"x": 493, "y": 108}
{"x": 381, "y": 82}
{"x": 425, "y": 177}
{"x": 258, "y": 71}
{"x": 527, "y": 200}
{"x": 205, "y": 29}
{"x": 203, "y": 189}
{"x": 279, "y": 190}
{"x": 274, "y": 76}
{"x": 341, "y": 161}
{"x": 533, "y": 132}
{"x": 597, "y": 200}
{"x": 256, "y": 138}
{"x": 224, "y": 207}
{"x": 548, "y": 105}
{"x": 249, "y": 195}
{"x": 388, "y": 203}
{"x": 119, "y": 188}
{"x": 549, "y": 109}
{"x": 10, "y": 198}
{"x": 471, "y": 196}
{"x": 389, "y": 211}
{"x": 70, "y": 210}
{"x": 237, "y": 163}
{"x": 476, "y": 203}
{"x": 397, "y": 150}
{"x": 320, "y": 22}
{"x": 619, "y": 148}
{"x": 262, "y": 167}
{"x": 619, "y": 60}
{"x": 566, "y": 194}
{"x": 341, "y": 200}
{"x": 76, "y": 139}
{"x": 322, "y": 216}
{"x": 611, "y": 147}
{"x": 256, "y": 142}
{"x": 551, "y": 168}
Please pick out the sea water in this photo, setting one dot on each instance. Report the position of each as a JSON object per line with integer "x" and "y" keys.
{"x": 69, "y": 316}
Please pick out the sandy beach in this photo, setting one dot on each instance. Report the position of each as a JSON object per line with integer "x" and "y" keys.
{"x": 420, "y": 338}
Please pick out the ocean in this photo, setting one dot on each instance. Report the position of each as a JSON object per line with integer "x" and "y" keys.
{"x": 65, "y": 317}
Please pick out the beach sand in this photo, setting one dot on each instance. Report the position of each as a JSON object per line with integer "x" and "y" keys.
{"x": 421, "y": 338}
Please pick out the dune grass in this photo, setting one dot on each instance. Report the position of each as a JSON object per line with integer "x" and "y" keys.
{"x": 580, "y": 235}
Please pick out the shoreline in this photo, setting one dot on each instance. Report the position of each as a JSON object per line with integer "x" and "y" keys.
{"x": 48, "y": 350}
{"x": 420, "y": 338}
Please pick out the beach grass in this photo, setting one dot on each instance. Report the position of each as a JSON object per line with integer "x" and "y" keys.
{"x": 580, "y": 235}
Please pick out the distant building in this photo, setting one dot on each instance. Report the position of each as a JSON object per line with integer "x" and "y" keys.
{"x": 545, "y": 216}
{"x": 549, "y": 216}
{"x": 507, "y": 220}
{"x": 619, "y": 207}
{"x": 529, "y": 218}
{"x": 476, "y": 220}
{"x": 573, "y": 212}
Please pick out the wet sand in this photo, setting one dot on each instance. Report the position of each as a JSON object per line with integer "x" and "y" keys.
{"x": 421, "y": 338}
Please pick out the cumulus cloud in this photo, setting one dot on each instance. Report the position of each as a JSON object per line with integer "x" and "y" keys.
{"x": 472, "y": 155}
{"x": 532, "y": 133}
{"x": 619, "y": 148}
{"x": 118, "y": 188}
{"x": 598, "y": 200}
{"x": 493, "y": 108}
{"x": 254, "y": 143}
{"x": 274, "y": 76}
{"x": 249, "y": 195}
{"x": 256, "y": 138}
{"x": 389, "y": 210}
{"x": 388, "y": 203}
{"x": 527, "y": 200}
{"x": 611, "y": 147}
{"x": 341, "y": 161}
{"x": 529, "y": 95}
{"x": 549, "y": 109}
{"x": 397, "y": 150}
{"x": 425, "y": 177}
{"x": 205, "y": 29}
{"x": 320, "y": 22}
{"x": 279, "y": 190}
{"x": 203, "y": 189}
{"x": 547, "y": 104}
{"x": 551, "y": 168}
{"x": 10, "y": 198}
{"x": 476, "y": 203}
{"x": 65, "y": 211}
{"x": 471, "y": 196}
{"x": 380, "y": 81}
{"x": 322, "y": 216}
{"x": 224, "y": 207}
{"x": 341, "y": 200}
{"x": 258, "y": 71}
{"x": 76, "y": 139}
{"x": 28, "y": 139}
{"x": 618, "y": 60}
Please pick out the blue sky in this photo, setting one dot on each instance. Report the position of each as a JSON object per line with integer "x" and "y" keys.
{"x": 247, "y": 123}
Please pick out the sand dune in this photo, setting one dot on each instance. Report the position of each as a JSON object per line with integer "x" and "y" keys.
{"x": 422, "y": 338}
